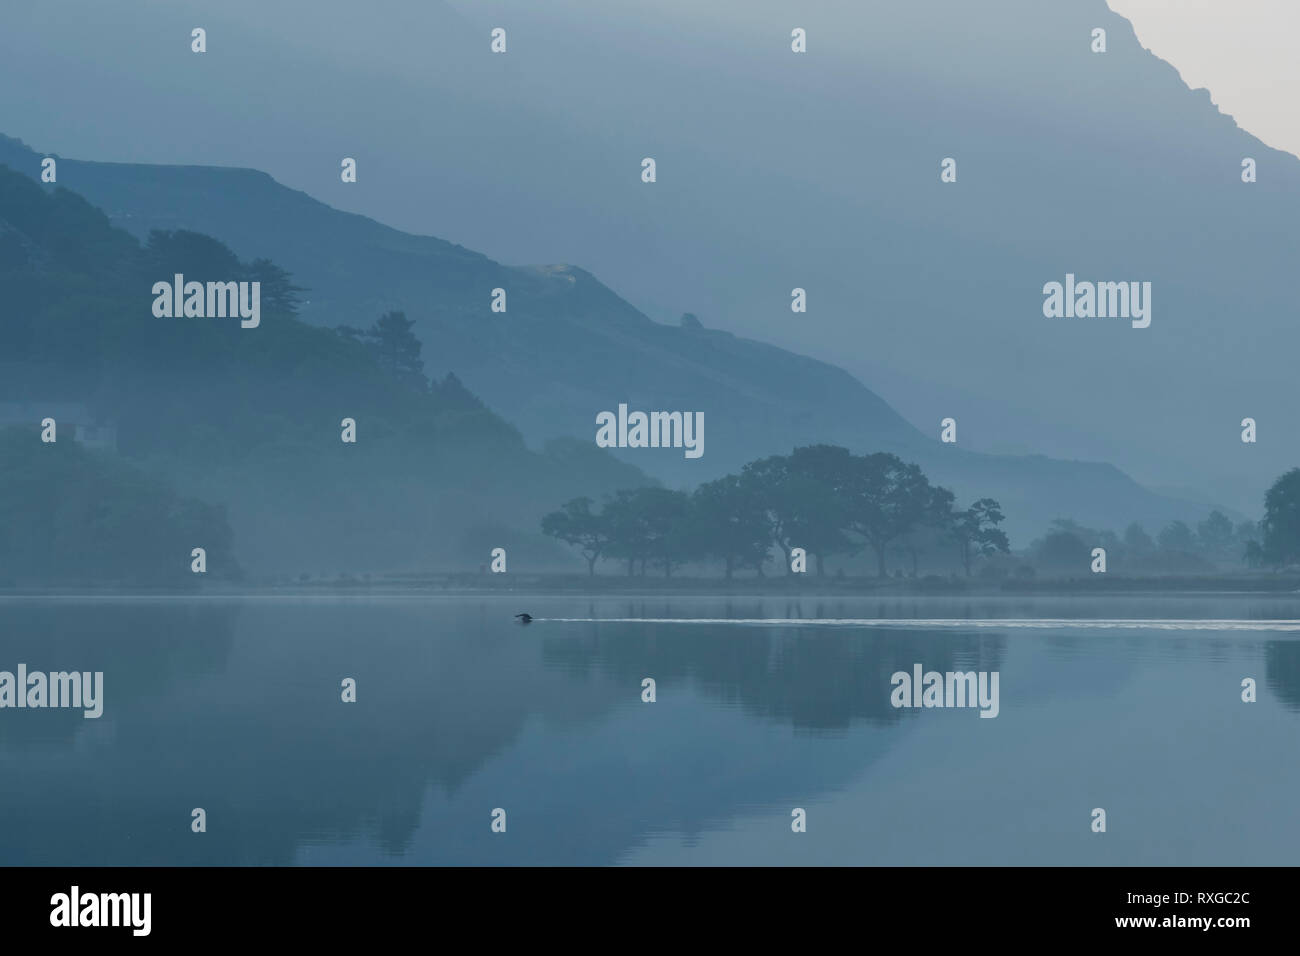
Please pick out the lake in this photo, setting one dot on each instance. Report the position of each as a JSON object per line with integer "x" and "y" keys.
{"x": 1131, "y": 704}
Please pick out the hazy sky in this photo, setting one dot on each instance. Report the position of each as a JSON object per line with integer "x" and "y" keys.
{"x": 1242, "y": 51}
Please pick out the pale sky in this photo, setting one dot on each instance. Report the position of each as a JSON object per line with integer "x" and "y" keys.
{"x": 1242, "y": 51}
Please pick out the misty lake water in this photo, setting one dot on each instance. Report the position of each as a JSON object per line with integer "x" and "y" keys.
{"x": 233, "y": 705}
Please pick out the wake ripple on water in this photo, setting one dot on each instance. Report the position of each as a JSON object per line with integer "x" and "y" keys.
{"x": 1169, "y": 624}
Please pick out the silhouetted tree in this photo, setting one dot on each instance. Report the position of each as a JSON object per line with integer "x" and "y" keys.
{"x": 278, "y": 293}
{"x": 803, "y": 496}
{"x": 395, "y": 348}
{"x": 1281, "y": 524}
{"x": 576, "y": 524}
{"x": 650, "y": 525}
{"x": 729, "y": 522}
{"x": 931, "y": 532}
{"x": 820, "y": 477}
{"x": 1177, "y": 536}
{"x": 770, "y": 481}
{"x": 666, "y": 519}
{"x": 1063, "y": 550}
{"x": 977, "y": 532}
{"x": 885, "y": 497}
{"x": 629, "y": 537}
{"x": 820, "y": 498}
{"x": 1215, "y": 532}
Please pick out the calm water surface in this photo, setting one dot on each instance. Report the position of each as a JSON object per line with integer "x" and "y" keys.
{"x": 233, "y": 705}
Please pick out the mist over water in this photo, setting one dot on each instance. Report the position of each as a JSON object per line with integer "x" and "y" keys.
{"x": 461, "y": 710}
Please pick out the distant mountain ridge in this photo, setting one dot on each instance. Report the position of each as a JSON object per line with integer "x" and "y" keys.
{"x": 568, "y": 347}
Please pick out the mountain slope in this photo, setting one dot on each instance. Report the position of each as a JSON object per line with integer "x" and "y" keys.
{"x": 775, "y": 170}
{"x": 568, "y": 348}
{"x": 250, "y": 418}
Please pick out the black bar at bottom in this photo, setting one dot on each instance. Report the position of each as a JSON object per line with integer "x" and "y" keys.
{"x": 538, "y": 905}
